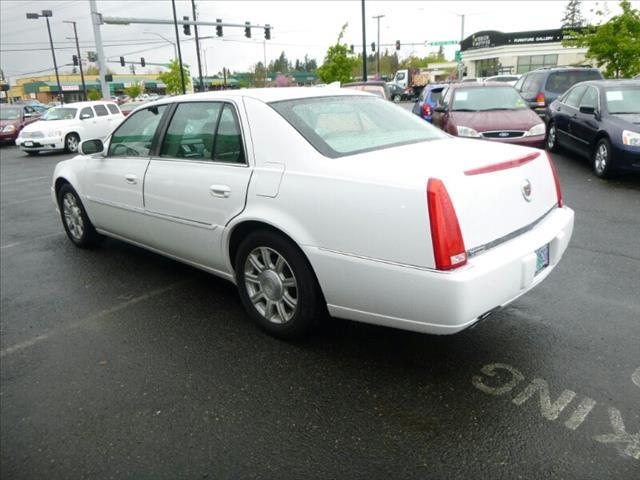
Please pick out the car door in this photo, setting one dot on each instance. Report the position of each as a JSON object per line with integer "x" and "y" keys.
{"x": 567, "y": 109}
{"x": 104, "y": 121}
{"x": 585, "y": 126}
{"x": 198, "y": 181}
{"x": 112, "y": 184}
{"x": 89, "y": 123}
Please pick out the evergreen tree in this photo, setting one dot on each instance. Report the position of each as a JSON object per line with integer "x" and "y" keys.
{"x": 573, "y": 15}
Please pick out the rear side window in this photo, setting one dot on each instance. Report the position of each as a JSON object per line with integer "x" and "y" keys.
{"x": 191, "y": 131}
{"x": 113, "y": 108}
{"x": 533, "y": 82}
{"x": 436, "y": 94}
{"x": 101, "y": 110}
{"x": 228, "y": 141}
{"x": 560, "y": 82}
{"x": 86, "y": 112}
{"x": 134, "y": 136}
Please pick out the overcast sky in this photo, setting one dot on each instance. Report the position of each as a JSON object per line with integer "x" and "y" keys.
{"x": 300, "y": 27}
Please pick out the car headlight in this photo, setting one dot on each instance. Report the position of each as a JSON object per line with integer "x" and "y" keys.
{"x": 538, "y": 129}
{"x": 467, "y": 132}
{"x": 631, "y": 138}
{"x": 9, "y": 128}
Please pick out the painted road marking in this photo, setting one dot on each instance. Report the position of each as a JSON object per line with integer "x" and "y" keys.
{"x": 8, "y": 204}
{"x": 15, "y": 244}
{"x": 635, "y": 378}
{"x": 499, "y": 379}
{"x": 91, "y": 318}
{"x": 31, "y": 179}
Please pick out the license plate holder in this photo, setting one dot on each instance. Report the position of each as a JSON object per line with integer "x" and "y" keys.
{"x": 28, "y": 144}
{"x": 542, "y": 258}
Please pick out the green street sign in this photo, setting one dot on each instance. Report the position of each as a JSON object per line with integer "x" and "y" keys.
{"x": 444, "y": 42}
{"x": 458, "y": 56}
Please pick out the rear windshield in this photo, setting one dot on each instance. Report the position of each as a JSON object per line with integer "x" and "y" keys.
{"x": 623, "y": 100}
{"x": 60, "y": 114}
{"x": 488, "y": 98}
{"x": 436, "y": 94}
{"x": 346, "y": 125}
{"x": 560, "y": 82}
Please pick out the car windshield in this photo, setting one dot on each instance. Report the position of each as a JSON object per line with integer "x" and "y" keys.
{"x": 623, "y": 100}
{"x": 485, "y": 99}
{"x": 9, "y": 113}
{"x": 60, "y": 114}
{"x": 346, "y": 125}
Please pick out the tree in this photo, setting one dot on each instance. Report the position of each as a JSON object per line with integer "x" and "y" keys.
{"x": 134, "y": 91}
{"x": 441, "y": 49}
{"x": 94, "y": 95}
{"x": 614, "y": 44}
{"x": 171, "y": 78}
{"x": 572, "y": 17}
{"x": 338, "y": 62}
{"x": 259, "y": 77}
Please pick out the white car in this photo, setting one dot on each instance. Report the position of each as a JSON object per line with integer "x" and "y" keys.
{"x": 64, "y": 127}
{"x": 323, "y": 199}
{"x": 508, "y": 79}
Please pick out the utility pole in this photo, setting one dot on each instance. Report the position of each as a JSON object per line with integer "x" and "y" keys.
{"x": 195, "y": 28}
{"x": 378, "y": 17}
{"x": 175, "y": 23}
{"x": 460, "y": 64}
{"x": 46, "y": 14}
{"x": 96, "y": 19}
{"x": 75, "y": 34}
{"x": 264, "y": 56}
{"x": 364, "y": 46}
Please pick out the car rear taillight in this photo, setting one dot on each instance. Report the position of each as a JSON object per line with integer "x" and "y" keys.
{"x": 556, "y": 181}
{"x": 426, "y": 109}
{"x": 540, "y": 99}
{"x": 448, "y": 246}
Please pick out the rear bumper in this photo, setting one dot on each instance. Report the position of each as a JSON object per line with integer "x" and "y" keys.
{"x": 429, "y": 301}
{"x": 40, "y": 144}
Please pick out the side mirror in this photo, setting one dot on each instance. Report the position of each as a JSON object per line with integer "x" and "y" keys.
{"x": 90, "y": 147}
{"x": 28, "y": 115}
{"x": 588, "y": 109}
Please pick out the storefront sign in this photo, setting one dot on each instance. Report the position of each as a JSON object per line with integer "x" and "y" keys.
{"x": 492, "y": 38}
{"x": 70, "y": 88}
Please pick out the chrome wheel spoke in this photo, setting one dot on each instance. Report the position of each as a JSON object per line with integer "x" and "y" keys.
{"x": 255, "y": 263}
{"x": 281, "y": 311}
{"x": 250, "y": 277}
{"x": 289, "y": 282}
{"x": 280, "y": 263}
{"x": 291, "y": 302}
{"x": 256, "y": 297}
{"x": 266, "y": 257}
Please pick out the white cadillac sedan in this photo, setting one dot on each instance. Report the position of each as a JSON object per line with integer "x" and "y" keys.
{"x": 323, "y": 199}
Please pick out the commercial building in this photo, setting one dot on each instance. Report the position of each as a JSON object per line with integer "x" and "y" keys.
{"x": 491, "y": 52}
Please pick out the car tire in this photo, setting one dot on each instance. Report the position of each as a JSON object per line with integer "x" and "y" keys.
{"x": 601, "y": 159}
{"x": 277, "y": 285}
{"x": 551, "y": 141}
{"x": 74, "y": 218}
{"x": 397, "y": 98}
{"x": 71, "y": 143}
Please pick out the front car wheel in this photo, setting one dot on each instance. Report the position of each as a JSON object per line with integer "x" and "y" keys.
{"x": 602, "y": 159}
{"x": 75, "y": 221}
{"x": 552, "y": 138}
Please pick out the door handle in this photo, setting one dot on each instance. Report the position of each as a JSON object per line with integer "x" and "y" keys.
{"x": 222, "y": 191}
{"x": 131, "y": 178}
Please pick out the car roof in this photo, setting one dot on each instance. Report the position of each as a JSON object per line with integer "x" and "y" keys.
{"x": 612, "y": 83}
{"x": 84, "y": 104}
{"x": 480, "y": 85}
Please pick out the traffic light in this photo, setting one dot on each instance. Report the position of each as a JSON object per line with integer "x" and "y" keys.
{"x": 351, "y": 48}
{"x": 142, "y": 62}
{"x": 373, "y": 46}
{"x": 267, "y": 32}
{"x": 219, "y": 27}
{"x": 247, "y": 30}
{"x": 108, "y": 77}
{"x": 92, "y": 56}
{"x": 186, "y": 28}
{"x": 75, "y": 60}
{"x": 122, "y": 61}
{"x": 397, "y": 44}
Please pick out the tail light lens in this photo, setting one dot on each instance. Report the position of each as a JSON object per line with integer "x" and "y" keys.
{"x": 426, "y": 109}
{"x": 556, "y": 181}
{"x": 540, "y": 99}
{"x": 448, "y": 246}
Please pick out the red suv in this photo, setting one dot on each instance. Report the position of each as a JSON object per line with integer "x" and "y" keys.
{"x": 13, "y": 118}
{"x": 489, "y": 111}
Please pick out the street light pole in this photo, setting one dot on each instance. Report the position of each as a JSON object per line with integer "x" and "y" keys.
{"x": 378, "y": 17}
{"x": 364, "y": 46}
{"x": 175, "y": 23}
{"x": 75, "y": 33}
{"x": 175, "y": 51}
{"x": 46, "y": 14}
{"x": 195, "y": 29}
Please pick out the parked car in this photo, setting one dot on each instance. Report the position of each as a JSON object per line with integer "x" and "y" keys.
{"x": 542, "y": 86}
{"x": 508, "y": 79}
{"x": 378, "y": 88}
{"x": 63, "y": 128}
{"x": 13, "y": 118}
{"x": 412, "y": 81}
{"x": 490, "y": 111}
{"x": 127, "y": 108}
{"x": 396, "y": 92}
{"x": 428, "y": 100}
{"x": 601, "y": 121}
{"x": 313, "y": 199}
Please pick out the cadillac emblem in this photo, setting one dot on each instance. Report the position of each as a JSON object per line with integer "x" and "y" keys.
{"x": 526, "y": 190}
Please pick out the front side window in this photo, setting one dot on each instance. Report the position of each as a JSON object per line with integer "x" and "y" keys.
{"x": 486, "y": 99}
{"x": 101, "y": 110}
{"x": 228, "y": 142}
{"x": 590, "y": 98}
{"x": 346, "y": 125}
{"x": 86, "y": 112}
{"x": 60, "y": 114}
{"x": 191, "y": 131}
{"x": 134, "y": 136}
{"x": 573, "y": 97}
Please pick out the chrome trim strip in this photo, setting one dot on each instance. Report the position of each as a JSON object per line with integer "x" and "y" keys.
{"x": 390, "y": 262}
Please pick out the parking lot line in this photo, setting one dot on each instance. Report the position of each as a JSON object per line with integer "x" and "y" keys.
{"x": 15, "y": 244}
{"x": 25, "y": 201}
{"x": 23, "y": 180}
{"x": 91, "y": 318}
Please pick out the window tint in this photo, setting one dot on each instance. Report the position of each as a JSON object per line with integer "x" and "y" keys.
{"x": 574, "y": 96}
{"x": 86, "y": 112}
{"x": 590, "y": 98}
{"x": 134, "y": 136}
{"x": 560, "y": 82}
{"x": 533, "y": 82}
{"x": 191, "y": 130}
{"x": 101, "y": 110}
{"x": 436, "y": 94}
{"x": 518, "y": 85}
{"x": 113, "y": 108}
{"x": 228, "y": 143}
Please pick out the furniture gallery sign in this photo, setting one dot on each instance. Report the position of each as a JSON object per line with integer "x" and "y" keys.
{"x": 492, "y": 38}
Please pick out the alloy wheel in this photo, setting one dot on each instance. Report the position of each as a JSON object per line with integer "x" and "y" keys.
{"x": 551, "y": 137}
{"x": 72, "y": 143}
{"x": 601, "y": 158}
{"x": 73, "y": 216}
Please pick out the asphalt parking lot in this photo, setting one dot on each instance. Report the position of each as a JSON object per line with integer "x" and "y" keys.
{"x": 118, "y": 363}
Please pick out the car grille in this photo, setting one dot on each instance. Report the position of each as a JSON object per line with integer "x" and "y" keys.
{"x": 503, "y": 134}
{"x": 32, "y": 134}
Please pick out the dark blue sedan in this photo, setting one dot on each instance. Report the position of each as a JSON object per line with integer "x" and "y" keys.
{"x": 428, "y": 100}
{"x": 600, "y": 120}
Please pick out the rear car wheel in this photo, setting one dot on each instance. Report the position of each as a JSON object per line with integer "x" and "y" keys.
{"x": 552, "y": 138}
{"x": 71, "y": 143}
{"x": 397, "y": 98}
{"x": 76, "y": 223}
{"x": 602, "y": 158}
{"x": 277, "y": 285}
